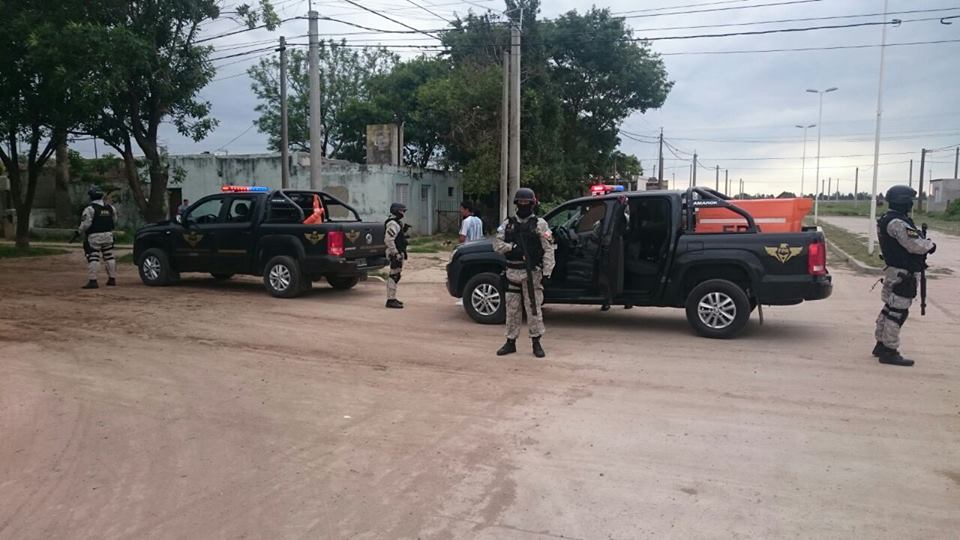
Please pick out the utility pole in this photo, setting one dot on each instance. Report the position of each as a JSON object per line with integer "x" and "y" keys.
{"x": 505, "y": 141}
{"x": 717, "y": 188}
{"x": 923, "y": 161}
{"x": 741, "y": 189}
{"x": 284, "y": 132}
{"x": 872, "y": 231}
{"x": 693, "y": 175}
{"x": 829, "y": 187}
{"x": 911, "y": 173}
{"x": 856, "y": 187}
{"x": 515, "y": 107}
{"x": 726, "y": 181}
{"x": 316, "y": 152}
{"x": 956, "y": 163}
{"x": 660, "y": 162}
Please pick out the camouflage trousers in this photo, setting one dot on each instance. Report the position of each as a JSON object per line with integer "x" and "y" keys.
{"x": 518, "y": 299}
{"x": 99, "y": 247}
{"x": 396, "y": 267}
{"x": 899, "y": 290}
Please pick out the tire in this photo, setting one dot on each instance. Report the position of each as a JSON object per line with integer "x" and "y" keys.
{"x": 718, "y": 309}
{"x": 343, "y": 283}
{"x": 282, "y": 277}
{"x": 154, "y": 268}
{"x": 484, "y": 299}
{"x": 220, "y": 276}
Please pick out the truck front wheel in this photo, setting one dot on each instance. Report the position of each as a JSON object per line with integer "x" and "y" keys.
{"x": 154, "y": 267}
{"x": 484, "y": 300}
{"x": 718, "y": 309}
{"x": 282, "y": 277}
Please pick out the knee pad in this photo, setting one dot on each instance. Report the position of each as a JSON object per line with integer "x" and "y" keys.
{"x": 896, "y": 315}
{"x": 395, "y": 278}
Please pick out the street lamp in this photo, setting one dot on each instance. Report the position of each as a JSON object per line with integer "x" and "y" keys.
{"x": 816, "y": 202}
{"x": 803, "y": 163}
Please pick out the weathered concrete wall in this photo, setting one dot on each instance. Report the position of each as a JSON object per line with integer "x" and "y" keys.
{"x": 431, "y": 196}
{"x": 942, "y": 191}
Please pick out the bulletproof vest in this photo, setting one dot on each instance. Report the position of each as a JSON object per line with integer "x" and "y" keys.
{"x": 103, "y": 219}
{"x": 401, "y": 239}
{"x": 894, "y": 254}
{"x": 524, "y": 233}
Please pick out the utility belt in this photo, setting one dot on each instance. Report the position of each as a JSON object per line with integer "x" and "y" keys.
{"x": 907, "y": 287}
{"x": 517, "y": 265}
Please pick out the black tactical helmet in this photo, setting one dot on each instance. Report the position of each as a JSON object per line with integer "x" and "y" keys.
{"x": 398, "y": 209}
{"x": 901, "y": 198}
{"x": 525, "y": 196}
{"x": 95, "y": 193}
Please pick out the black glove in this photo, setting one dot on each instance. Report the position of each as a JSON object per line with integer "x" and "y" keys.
{"x": 545, "y": 280}
{"x": 934, "y": 248}
{"x": 405, "y": 256}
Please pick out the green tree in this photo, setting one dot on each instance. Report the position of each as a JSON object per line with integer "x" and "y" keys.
{"x": 345, "y": 74}
{"x": 156, "y": 78}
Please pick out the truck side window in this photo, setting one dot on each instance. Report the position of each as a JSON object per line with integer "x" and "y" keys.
{"x": 580, "y": 218}
{"x": 240, "y": 210}
{"x": 206, "y": 212}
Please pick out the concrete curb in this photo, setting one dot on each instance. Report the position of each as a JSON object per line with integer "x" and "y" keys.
{"x": 859, "y": 266}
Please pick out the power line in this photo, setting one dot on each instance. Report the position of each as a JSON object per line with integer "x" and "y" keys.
{"x": 429, "y": 11}
{"x": 647, "y": 10}
{"x": 780, "y": 30}
{"x": 243, "y": 30}
{"x": 244, "y": 132}
{"x": 806, "y": 49}
{"x": 626, "y": 14}
{"x": 375, "y": 12}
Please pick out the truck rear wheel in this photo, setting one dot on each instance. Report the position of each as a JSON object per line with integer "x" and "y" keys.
{"x": 282, "y": 277}
{"x": 484, "y": 300}
{"x": 343, "y": 283}
{"x": 718, "y": 309}
{"x": 154, "y": 268}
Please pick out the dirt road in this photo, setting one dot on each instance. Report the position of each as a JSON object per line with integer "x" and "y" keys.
{"x": 210, "y": 410}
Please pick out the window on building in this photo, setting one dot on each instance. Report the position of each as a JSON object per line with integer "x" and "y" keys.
{"x": 450, "y": 192}
{"x": 401, "y": 194}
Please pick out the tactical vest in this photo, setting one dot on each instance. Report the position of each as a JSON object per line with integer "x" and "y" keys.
{"x": 894, "y": 254}
{"x": 103, "y": 219}
{"x": 401, "y": 239}
{"x": 523, "y": 233}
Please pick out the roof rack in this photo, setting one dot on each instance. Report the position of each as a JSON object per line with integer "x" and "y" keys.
{"x": 710, "y": 198}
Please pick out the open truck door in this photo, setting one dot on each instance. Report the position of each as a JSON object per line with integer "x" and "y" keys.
{"x": 611, "y": 256}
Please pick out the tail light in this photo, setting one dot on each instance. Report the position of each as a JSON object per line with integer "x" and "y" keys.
{"x": 817, "y": 259}
{"x": 335, "y": 243}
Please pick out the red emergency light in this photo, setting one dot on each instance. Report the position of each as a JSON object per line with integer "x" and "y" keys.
{"x": 603, "y": 189}
{"x": 244, "y": 189}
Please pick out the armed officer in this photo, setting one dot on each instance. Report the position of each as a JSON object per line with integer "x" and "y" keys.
{"x": 396, "y": 240}
{"x": 527, "y": 243}
{"x": 905, "y": 251}
{"x": 97, "y": 223}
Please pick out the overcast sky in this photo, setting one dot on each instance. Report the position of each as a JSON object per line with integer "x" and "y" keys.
{"x": 737, "y": 111}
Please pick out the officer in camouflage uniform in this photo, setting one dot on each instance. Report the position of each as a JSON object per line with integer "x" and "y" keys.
{"x": 525, "y": 229}
{"x": 396, "y": 239}
{"x": 98, "y": 222}
{"x": 904, "y": 250}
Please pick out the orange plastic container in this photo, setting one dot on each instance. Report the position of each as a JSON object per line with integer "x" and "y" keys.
{"x": 771, "y": 215}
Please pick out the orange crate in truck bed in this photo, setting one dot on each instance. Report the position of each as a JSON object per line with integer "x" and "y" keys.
{"x": 771, "y": 215}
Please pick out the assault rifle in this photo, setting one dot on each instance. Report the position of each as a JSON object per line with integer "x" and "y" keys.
{"x": 531, "y": 294}
{"x": 923, "y": 277}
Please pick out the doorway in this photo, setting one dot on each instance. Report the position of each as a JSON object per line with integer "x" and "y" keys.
{"x": 426, "y": 209}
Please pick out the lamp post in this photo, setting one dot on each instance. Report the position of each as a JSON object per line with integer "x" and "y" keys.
{"x": 816, "y": 203}
{"x": 872, "y": 231}
{"x": 803, "y": 162}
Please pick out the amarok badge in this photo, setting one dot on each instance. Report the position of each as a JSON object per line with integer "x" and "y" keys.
{"x": 784, "y": 252}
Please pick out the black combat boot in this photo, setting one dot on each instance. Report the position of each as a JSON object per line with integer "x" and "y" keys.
{"x": 509, "y": 347}
{"x": 894, "y": 358}
{"x": 112, "y": 282}
{"x": 880, "y": 348}
{"x": 537, "y": 349}
{"x": 393, "y": 303}
{"x": 92, "y": 284}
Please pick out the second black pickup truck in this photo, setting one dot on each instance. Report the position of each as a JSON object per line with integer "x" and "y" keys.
{"x": 643, "y": 249}
{"x": 262, "y": 233}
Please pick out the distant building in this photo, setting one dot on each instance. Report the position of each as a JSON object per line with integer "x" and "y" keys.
{"x": 941, "y": 192}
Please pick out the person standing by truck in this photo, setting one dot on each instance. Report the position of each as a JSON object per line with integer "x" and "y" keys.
{"x": 527, "y": 243}
{"x": 905, "y": 251}
{"x": 471, "y": 229}
{"x": 98, "y": 222}
{"x": 395, "y": 238}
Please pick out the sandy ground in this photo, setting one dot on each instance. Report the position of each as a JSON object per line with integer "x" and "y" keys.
{"x": 211, "y": 410}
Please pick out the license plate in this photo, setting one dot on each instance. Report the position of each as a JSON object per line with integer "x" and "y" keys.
{"x": 361, "y": 262}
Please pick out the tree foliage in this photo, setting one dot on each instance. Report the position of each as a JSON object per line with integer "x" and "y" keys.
{"x": 345, "y": 74}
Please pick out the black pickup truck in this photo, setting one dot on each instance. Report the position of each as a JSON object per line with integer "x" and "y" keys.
{"x": 643, "y": 249}
{"x": 262, "y": 233}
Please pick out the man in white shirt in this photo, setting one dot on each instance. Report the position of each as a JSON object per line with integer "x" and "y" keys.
{"x": 472, "y": 227}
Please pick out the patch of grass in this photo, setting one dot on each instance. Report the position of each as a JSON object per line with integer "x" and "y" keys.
{"x": 848, "y": 208}
{"x": 432, "y": 244}
{"x": 939, "y": 222}
{"x": 854, "y": 244}
{"x": 9, "y": 252}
